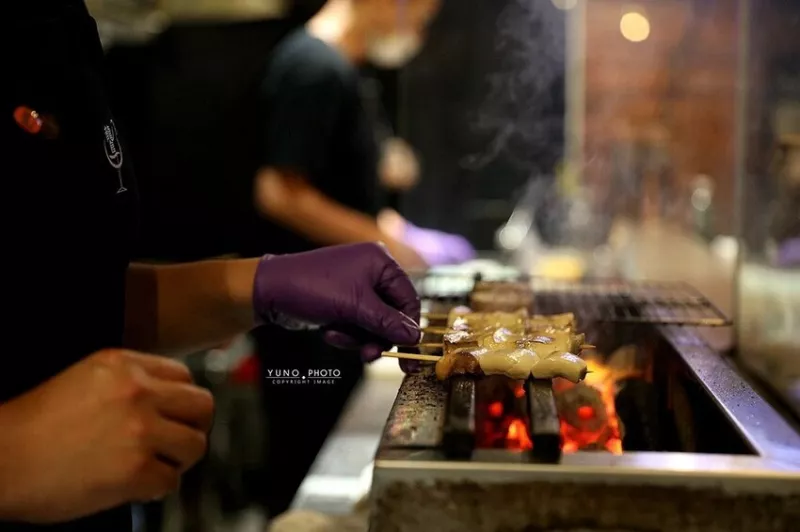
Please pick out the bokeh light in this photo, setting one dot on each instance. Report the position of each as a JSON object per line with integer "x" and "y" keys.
{"x": 634, "y": 26}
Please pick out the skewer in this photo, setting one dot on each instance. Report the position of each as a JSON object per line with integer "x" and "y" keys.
{"x": 440, "y": 344}
{"x": 435, "y": 316}
{"x": 411, "y": 356}
{"x": 436, "y": 330}
{"x": 433, "y": 345}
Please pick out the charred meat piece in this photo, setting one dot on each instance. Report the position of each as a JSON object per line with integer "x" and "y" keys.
{"x": 501, "y": 296}
{"x": 458, "y": 361}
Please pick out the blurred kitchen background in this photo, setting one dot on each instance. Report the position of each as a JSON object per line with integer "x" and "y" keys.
{"x": 568, "y": 138}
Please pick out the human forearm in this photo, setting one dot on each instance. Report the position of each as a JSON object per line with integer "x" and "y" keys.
{"x": 183, "y": 308}
{"x": 292, "y": 202}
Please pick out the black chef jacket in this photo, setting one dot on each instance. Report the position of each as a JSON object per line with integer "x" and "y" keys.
{"x": 68, "y": 220}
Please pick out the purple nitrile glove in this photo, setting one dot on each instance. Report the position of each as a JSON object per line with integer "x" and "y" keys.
{"x": 438, "y": 248}
{"x": 789, "y": 253}
{"x": 357, "y": 292}
{"x": 410, "y": 366}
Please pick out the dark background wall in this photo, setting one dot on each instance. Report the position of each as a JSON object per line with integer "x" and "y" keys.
{"x": 483, "y": 105}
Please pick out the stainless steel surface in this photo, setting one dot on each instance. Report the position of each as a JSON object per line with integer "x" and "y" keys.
{"x": 769, "y": 433}
{"x": 342, "y": 472}
{"x": 740, "y": 474}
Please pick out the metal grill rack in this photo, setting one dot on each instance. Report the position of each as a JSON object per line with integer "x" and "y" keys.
{"x": 595, "y": 300}
{"x": 608, "y": 300}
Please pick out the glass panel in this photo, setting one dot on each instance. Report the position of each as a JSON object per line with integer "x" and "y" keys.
{"x": 616, "y": 137}
{"x": 582, "y": 137}
{"x": 769, "y": 280}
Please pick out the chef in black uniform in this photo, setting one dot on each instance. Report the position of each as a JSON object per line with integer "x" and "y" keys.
{"x": 87, "y": 427}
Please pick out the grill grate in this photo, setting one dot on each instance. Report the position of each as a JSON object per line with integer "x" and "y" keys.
{"x": 602, "y": 300}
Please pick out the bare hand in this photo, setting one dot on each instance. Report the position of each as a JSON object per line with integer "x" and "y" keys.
{"x": 398, "y": 169}
{"x": 114, "y": 428}
{"x": 407, "y": 257}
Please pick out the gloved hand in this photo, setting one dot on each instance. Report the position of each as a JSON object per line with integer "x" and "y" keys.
{"x": 436, "y": 247}
{"x": 789, "y": 253}
{"x": 357, "y": 293}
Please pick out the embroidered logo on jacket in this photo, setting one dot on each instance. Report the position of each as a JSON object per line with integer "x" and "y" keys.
{"x": 113, "y": 149}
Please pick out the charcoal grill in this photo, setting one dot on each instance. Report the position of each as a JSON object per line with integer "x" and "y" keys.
{"x": 702, "y": 450}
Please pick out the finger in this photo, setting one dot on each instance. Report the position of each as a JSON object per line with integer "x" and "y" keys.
{"x": 385, "y": 322}
{"x": 371, "y": 352}
{"x": 180, "y": 444}
{"x": 341, "y": 340}
{"x": 369, "y": 346}
{"x": 156, "y": 480}
{"x": 395, "y": 288}
{"x": 184, "y": 403}
{"x": 162, "y": 367}
{"x": 410, "y": 366}
{"x": 348, "y": 336}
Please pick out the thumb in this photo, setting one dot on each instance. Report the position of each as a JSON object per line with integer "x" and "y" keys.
{"x": 386, "y": 322}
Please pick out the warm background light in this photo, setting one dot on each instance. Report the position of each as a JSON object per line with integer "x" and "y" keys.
{"x": 634, "y": 26}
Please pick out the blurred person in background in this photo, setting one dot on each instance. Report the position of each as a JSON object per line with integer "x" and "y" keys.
{"x": 127, "y": 424}
{"x": 325, "y": 160}
{"x": 323, "y": 167}
{"x": 324, "y": 163}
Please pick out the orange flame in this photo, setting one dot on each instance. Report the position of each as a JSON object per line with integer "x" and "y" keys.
{"x": 609, "y": 436}
{"x": 517, "y": 436}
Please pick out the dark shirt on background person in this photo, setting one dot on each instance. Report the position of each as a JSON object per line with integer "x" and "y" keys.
{"x": 315, "y": 124}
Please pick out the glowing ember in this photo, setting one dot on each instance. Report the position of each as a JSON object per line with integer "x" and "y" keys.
{"x": 496, "y": 409}
{"x": 588, "y": 412}
{"x": 517, "y": 436}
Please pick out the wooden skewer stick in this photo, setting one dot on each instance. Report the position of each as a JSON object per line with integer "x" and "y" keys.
{"x": 436, "y": 330}
{"x": 588, "y": 346}
{"x": 425, "y": 345}
{"x": 435, "y": 315}
{"x": 411, "y": 356}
